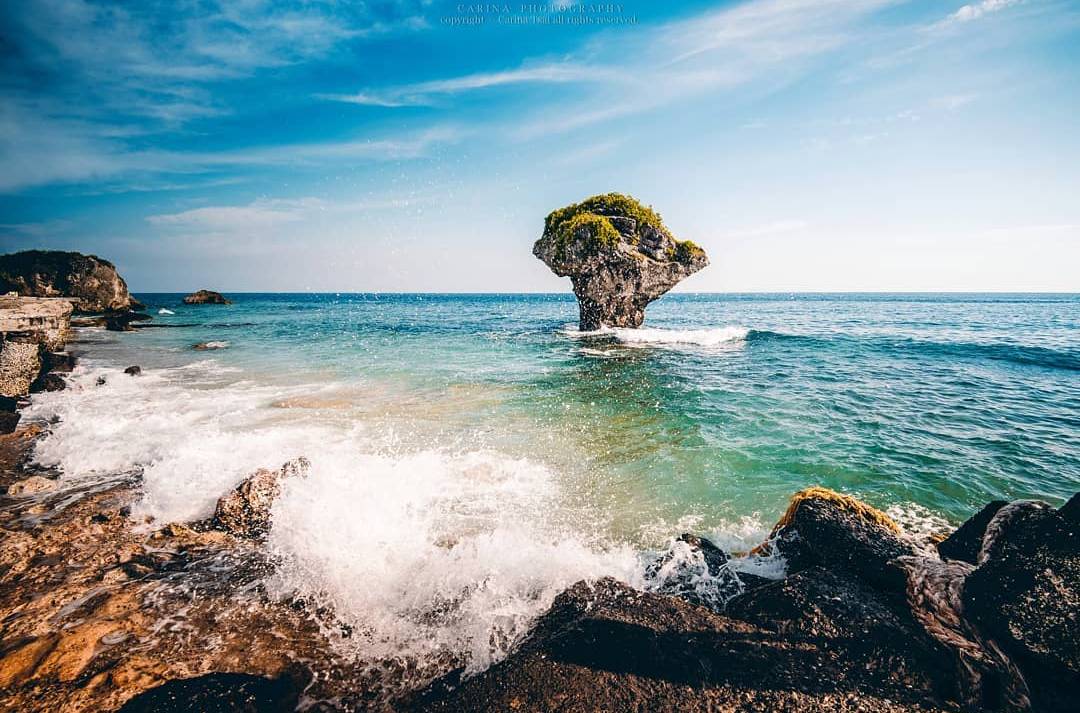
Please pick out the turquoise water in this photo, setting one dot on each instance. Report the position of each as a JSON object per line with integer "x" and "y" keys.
{"x": 944, "y": 401}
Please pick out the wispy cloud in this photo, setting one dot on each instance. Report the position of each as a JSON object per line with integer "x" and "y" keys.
{"x": 85, "y": 85}
{"x": 715, "y": 51}
{"x": 422, "y": 93}
{"x": 259, "y": 214}
{"x": 272, "y": 217}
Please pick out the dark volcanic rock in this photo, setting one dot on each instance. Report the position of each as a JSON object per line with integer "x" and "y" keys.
{"x": 9, "y": 421}
{"x": 607, "y": 647}
{"x": 1071, "y": 510}
{"x": 48, "y": 382}
{"x": 122, "y": 321}
{"x": 245, "y": 512}
{"x": 220, "y": 693}
{"x": 837, "y": 613}
{"x": 133, "y": 370}
{"x": 842, "y": 533}
{"x": 8, "y": 404}
{"x": 61, "y": 362}
{"x": 52, "y": 273}
{"x": 965, "y": 543}
{"x": 1025, "y": 596}
{"x": 206, "y": 297}
{"x": 619, "y": 257}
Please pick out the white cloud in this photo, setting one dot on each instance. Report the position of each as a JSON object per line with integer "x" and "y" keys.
{"x": 974, "y": 11}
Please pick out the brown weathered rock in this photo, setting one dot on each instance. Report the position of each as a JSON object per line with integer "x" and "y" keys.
{"x": 619, "y": 257}
{"x": 31, "y": 486}
{"x": 32, "y": 330}
{"x": 53, "y": 273}
{"x": 822, "y": 527}
{"x": 206, "y": 297}
{"x": 133, "y": 370}
{"x": 245, "y": 511}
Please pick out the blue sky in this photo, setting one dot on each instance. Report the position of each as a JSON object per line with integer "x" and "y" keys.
{"x": 398, "y": 146}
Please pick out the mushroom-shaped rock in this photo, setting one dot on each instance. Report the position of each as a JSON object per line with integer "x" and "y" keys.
{"x": 245, "y": 511}
{"x": 206, "y": 297}
{"x": 619, "y": 256}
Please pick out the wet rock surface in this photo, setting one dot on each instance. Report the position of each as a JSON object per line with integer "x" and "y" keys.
{"x": 619, "y": 257}
{"x": 220, "y": 693}
{"x": 605, "y": 646}
{"x": 1024, "y": 595}
{"x": 97, "y": 608}
{"x": 245, "y": 512}
{"x": 53, "y": 273}
{"x": 206, "y": 297}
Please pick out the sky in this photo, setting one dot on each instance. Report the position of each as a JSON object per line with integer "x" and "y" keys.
{"x": 416, "y": 145}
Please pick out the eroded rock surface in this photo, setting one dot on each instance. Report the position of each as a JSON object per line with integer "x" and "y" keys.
{"x": 619, "y": 257}
{"x": 54, "y": 273}
{"x": 245, "y": 512}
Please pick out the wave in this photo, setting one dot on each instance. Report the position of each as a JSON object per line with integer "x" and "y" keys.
{"x": 422, "y": 553}
{"x": 1022, "y": 354}
{"x": 165, "y": 311}
{"x": 658, "y": 336}
{"x": 710, "y": 337}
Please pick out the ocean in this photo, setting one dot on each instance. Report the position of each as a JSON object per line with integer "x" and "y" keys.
{"x": 473, "y": 455}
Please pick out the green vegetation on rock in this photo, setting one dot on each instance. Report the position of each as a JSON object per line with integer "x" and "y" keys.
{"x": 595, "y": 215}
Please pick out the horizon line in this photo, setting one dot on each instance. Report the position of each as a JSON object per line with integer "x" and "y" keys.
{"x": 571, "y": 294}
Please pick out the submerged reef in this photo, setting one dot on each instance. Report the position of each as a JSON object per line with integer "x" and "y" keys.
{"x": 619, "y": 256}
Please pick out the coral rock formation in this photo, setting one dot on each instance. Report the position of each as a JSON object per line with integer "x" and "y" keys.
{"x": 619, "y": 257}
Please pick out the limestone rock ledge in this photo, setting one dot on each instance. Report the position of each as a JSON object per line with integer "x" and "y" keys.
{"x": 32, "y": 331}
{"x": 619, "y": 257}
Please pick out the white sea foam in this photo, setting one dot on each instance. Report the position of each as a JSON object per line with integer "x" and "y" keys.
{"x": 165, "y": 311}
{"x": 433, "y": 551}
{"x": 420, "y": 551}
{"x": 711, "y": 337}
